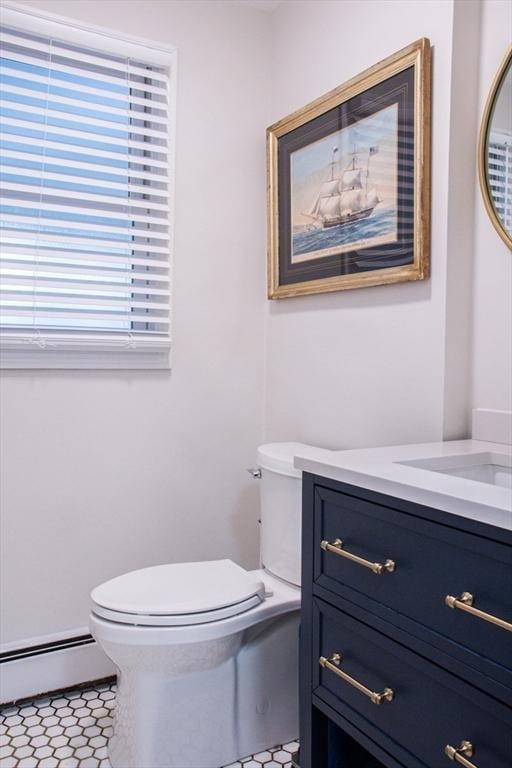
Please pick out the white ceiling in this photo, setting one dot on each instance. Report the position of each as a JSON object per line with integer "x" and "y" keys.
{"x": 262, "y": 5}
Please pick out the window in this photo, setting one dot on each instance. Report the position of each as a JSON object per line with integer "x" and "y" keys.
{"x": 85, "y": 173}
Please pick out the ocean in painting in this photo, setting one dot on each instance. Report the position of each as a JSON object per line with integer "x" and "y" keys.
{"x": 356, "y": 235}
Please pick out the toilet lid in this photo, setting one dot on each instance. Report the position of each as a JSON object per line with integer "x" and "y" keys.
{"x": 179, "y": 589}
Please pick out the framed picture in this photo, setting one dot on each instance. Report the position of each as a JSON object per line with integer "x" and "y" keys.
{"x": 349, "y": 182}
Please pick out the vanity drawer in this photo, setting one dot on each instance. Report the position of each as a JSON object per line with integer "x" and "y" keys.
{"x": 430, "y": 562}
{"x": 427, "y": 709}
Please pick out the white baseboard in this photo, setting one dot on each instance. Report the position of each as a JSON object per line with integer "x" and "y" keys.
{"x": 50, "y": 671}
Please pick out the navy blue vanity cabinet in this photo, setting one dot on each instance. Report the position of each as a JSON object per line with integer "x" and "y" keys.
{"x": 406, "y": 641}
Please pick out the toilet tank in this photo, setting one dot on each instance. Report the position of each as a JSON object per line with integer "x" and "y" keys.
{"x": 281, "y": 509}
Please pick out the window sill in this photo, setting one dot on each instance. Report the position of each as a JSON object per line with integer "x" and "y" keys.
{"x": 70, "y": 353}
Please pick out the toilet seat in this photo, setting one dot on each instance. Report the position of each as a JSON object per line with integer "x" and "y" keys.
{"x": 176, "y": 620}
{"x": 281, "y": 598}
{"x": 179, "y": 594}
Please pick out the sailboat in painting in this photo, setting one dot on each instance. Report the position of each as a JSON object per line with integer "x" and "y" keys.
{"x": 346, "y": 198}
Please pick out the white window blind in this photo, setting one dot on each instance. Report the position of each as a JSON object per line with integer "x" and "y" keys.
{"x": 84, "y": 194}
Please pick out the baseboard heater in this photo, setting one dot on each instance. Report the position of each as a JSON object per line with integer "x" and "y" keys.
{"x": 49, "y": 664}
{"x": 37, "y": 650}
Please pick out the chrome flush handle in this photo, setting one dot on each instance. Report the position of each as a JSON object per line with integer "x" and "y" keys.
{"x": 255, "y": 472}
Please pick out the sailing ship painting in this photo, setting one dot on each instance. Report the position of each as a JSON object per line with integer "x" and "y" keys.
{"x": 345, "y": 199}
{"x": 344, "y": 189}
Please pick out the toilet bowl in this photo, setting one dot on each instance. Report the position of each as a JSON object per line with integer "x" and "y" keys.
{"x": 207, "y": 652}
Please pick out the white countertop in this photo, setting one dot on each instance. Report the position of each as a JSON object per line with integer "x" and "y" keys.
{"x": 378, "y": 469}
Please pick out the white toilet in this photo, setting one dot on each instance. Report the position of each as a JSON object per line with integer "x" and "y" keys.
{"x": 207, "y": 652}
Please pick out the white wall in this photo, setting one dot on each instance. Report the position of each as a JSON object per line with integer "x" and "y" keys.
{"x": 108, "y": 471}
{"x": 363, "y": 367}
{"x": 104, "y": 472}
{"x": 462, "y": 181}
{"x": 492, "y": 349}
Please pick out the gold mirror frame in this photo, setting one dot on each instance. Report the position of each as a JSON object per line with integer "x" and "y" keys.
{"x": 482, "y": 149}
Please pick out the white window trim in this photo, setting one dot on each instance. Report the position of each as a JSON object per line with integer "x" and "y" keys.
{"x": 45, "y": 350}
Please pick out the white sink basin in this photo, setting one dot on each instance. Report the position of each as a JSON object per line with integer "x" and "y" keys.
{"x": 492, "y": 468}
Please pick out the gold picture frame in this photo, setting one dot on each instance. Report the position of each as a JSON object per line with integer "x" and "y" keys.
{"x": 293, "y": 270}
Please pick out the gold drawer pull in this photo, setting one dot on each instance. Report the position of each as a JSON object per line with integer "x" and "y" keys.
{"x": 465, "y": 603}
{"x": 337, "y": 547}
{"x": 459, "y": 755}
{"x": 333, "y": 662}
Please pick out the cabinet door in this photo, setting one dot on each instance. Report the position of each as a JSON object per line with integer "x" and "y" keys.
{"x": 430, "y": 562}
{"x": 423, "y": 709}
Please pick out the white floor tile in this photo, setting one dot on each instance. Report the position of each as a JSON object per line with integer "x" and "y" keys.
{"x": 71, "y": 730}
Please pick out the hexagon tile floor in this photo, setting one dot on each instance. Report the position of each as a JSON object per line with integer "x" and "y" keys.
{"x": 71, "y": 730}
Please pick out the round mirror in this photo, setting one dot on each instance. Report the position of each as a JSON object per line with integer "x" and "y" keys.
{"x": 495, "y": 152}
